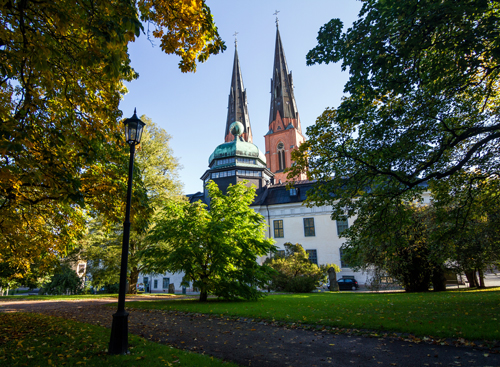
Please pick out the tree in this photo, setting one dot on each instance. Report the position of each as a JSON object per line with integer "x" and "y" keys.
{"x": 64, "y": 281}
{"x": 217, "y": 249}
{"x": 62, "y": 68}
{"x": 157, "y": 174}
{"x": 398, "y": 243}
{"x": 294, "y": 271}
{"x": 467, "y": 212}
{"x": 423, "y": 100}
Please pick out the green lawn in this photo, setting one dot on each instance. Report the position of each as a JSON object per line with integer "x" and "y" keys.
{"x": 39, "y": 340}
{"x": 470, "y": 315}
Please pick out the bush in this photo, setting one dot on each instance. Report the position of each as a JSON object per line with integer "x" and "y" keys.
{"x": 294, "y": 272}
{"x": 64, "y": 281}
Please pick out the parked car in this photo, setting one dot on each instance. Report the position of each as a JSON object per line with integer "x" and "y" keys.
{"x": 348, "y": 284}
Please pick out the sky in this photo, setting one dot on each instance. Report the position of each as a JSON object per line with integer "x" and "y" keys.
{"x": 192, "y": 107}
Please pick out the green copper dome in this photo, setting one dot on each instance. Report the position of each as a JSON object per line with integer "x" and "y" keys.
{"x": 237, "y": 147}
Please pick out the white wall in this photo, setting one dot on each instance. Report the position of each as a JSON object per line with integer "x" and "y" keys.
{"x": 326, "y": 242}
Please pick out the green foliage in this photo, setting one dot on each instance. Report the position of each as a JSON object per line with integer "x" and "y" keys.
{"x": 397, "y": 242}
{"x": 452, "y": 314}
{"x": 468, "y": 221}
{"x": 63, "y": 65}
{"x": 294, "y": 272}
{"x": 64, "y": 281}
{"x": 157, "y": 176}
{"x": 217, "y": 248}
{"x": 423, "y": 102}
{"x": 34, "y": 339}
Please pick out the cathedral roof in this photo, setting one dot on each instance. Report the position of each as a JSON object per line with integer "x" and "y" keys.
{"x": 237, "y": 148}
{"x": 282, "y": 98}
{"x": 237, "y": 109}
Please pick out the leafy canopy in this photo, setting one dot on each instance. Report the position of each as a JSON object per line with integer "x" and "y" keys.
{"x": 423, "y": 99}
{"x": 157, "y": 174}
{"x": 62, "y": 68}
{"x": 216, "y": 248}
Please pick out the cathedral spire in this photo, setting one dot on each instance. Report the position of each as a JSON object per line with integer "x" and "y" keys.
{"x": 237, "y": 109}
{"x": 284, "y": 133}
{"x": 282, "y": 98}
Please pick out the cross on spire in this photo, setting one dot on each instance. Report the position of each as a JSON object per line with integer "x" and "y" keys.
{"x": 276, "y": 13}
{"x": 235, "y": 35}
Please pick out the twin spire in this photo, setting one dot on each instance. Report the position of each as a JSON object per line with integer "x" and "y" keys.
{"x": 283, "y": 103}
{"x": 237, "y": 109}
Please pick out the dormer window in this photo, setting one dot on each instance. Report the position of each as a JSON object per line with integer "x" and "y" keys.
{"x": 293, "y": 192}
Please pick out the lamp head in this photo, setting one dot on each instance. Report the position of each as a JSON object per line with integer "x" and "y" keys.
{"x": 133, "y": 129}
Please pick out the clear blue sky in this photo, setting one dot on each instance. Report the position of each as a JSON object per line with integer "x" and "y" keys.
{"x": 192, "y": 107}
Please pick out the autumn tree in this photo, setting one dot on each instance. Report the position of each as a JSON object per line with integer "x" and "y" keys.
{"x": 423, "y": 101}
{"x": 62, "y": 68}
{"x": 216, "y": 248}
{"x": 157, "y": 174}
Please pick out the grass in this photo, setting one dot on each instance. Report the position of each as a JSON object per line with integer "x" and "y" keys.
{"x": 39, "y": 340}
{"x": 471, "y": 315}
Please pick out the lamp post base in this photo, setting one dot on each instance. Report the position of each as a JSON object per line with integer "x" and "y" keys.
{"x": 118, "y": 343}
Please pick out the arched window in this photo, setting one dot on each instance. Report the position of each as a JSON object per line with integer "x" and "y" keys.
{"x": 281, "y": 156}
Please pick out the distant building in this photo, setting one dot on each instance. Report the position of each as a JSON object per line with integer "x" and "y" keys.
{"x": 238, "y": 159}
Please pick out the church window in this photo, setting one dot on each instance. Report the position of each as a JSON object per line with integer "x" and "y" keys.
{"x": 342, "y": 225}
{"x": 281, "y": 156}
{"x": 278, "y": 229}
{"x": 313, "y": 256}
{"x": 309, "y": 227}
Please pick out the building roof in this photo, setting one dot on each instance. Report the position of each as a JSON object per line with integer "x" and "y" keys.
{"x": 237, "y": 109}
{"x": 282, "y": 98}
{"x": 237, "y": 148}
{"x": 279, "y": 194}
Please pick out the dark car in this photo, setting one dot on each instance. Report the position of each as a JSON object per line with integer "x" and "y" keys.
{"x": 347, "y": 284}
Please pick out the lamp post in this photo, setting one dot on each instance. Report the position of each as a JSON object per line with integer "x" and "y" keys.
{"x": 118, "y": 343}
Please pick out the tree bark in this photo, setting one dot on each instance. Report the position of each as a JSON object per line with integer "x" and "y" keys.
{"x": 438, "y": 279}
{"x": 134, "y": 277}
{"x": 481, "y": 279}
{"x": 203, "y": 296}
{"x": 471, "y": 277}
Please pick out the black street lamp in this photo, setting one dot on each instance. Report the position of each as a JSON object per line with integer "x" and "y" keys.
{"x": 118, "y": 343}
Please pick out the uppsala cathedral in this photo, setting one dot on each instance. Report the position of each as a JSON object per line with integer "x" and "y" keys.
{"x": 238, "y": 159}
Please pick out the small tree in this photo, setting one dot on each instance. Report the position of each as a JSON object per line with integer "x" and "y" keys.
{"x": 64, "y": 281}
{"x": 216, "y": 249}
{"x": 294, "y": 271}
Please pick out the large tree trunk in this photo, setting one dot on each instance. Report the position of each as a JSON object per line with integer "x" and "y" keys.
{"x": 438, "y": 279}
{"x": 134, "y": 277}
{"x": 203, "y": 296}
{"x": 481, "y": 279}
{"x": 471, "y": 278}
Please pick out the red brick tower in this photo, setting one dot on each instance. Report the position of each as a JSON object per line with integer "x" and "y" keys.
{"x": 285, "y": 133}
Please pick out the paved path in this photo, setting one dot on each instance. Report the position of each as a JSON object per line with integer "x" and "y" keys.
{"x": 257, "y": 344}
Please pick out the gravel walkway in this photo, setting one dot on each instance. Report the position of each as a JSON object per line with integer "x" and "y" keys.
{"x": 259, "y": 344}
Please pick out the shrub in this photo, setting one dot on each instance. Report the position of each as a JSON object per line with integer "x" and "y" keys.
{"x": 294, "y": 272}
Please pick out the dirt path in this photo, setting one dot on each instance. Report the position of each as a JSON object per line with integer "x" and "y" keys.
{"x": 258, "y": 344}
